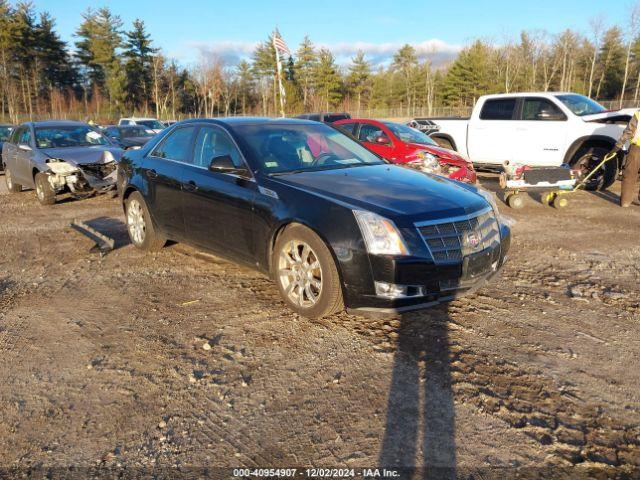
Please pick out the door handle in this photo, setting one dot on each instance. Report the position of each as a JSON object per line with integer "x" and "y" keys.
{"x": 152, "y": 173}
{"x": 190, "y": 186}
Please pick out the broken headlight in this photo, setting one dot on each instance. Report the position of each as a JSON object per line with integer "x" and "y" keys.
{"x": 425, "y": 162}
{"x": 60, "y": 167}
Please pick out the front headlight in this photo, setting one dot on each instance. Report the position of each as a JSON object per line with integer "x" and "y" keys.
{"x": 380, "y": 234}
{"x": 60, "y": 167}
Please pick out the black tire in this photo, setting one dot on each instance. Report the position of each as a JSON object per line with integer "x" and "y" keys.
{"x": 515, "y": 201}
{"x": 11, "y": 185}
{"x": 329, "y": 298}
{"x": 586, "y": 158}
{"x": 443, "y": 142}
{"x": 45, "y": 193}
{"x": 149, "y": 238}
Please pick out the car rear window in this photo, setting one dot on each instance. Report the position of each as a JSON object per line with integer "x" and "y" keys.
{"x": 498, "y": 109}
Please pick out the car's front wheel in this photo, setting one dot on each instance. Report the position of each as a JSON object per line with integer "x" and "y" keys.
{"x": 142, "y": 232}
{"x": 12, "y": 186}
{"x": 44, "y": 191}
{"x": 306, "y": 273}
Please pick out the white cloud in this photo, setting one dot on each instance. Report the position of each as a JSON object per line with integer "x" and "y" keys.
{"x": 231, "y": 52}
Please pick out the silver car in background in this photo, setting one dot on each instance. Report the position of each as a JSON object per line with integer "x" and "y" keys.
{"x": 57, "y": 157}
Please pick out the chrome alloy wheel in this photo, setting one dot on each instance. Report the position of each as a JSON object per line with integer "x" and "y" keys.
{"x": 39, "y": 191}
{"x": 300, "y": 273}
{"x": 135, "y": 222}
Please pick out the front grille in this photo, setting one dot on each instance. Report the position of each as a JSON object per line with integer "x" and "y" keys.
{"x": 446, "y": 241}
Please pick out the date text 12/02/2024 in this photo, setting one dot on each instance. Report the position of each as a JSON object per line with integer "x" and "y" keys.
{"x": 316, "y": 472}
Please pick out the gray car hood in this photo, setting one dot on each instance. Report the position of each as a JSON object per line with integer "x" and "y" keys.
{"x": 84, "y": 155}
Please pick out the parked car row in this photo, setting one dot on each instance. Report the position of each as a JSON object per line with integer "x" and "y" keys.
{"x": 333, "y": 221}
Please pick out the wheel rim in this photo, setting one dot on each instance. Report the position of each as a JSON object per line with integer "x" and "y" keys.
{"x": 135, "y": 222}
{"x": 39, "y": 191}
{"x": 300, "y": 273}
{"x": 585, "y": 164}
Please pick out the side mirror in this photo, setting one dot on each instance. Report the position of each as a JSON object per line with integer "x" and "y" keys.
{"x": 224, "y": 164}
{"x": 26, "y": 148}
{"x": 549, "y": 115}
{"x": 383, "y": 140}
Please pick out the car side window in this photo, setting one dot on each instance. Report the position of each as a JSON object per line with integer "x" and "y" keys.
{"x": 212, "y": 142}
{"x": 498, "y": 109}
{"x": 15, "y": 136}
{"x": 177, "y": 146}
{"x": 25, "y": 137}
{"x": 541, "y": 109}
{"x": 369, "y": 133}
{"x": 347, "y": 127}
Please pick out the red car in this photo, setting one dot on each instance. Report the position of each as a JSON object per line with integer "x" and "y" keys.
{"x": 404, "y": 145}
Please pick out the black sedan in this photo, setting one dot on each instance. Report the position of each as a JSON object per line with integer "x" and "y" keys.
{"x": 332, "y": 223}
{"x": 133, "y": 136}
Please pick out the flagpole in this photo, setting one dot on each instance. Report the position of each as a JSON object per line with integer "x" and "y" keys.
{"x": 279, "y": 74}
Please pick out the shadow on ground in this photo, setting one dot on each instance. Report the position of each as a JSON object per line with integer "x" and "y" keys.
{"x": 420, "y": 424}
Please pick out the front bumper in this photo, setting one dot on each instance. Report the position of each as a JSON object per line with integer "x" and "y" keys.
{"x": 441, "y": 282}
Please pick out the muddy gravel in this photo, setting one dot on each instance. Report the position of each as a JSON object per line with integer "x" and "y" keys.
{"x": 179, "y": 361}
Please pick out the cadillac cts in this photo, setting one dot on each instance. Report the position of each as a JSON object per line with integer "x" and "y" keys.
{"x": 332, "y": 223}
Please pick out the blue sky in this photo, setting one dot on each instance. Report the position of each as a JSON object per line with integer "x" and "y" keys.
{"x": 184, "y": 29}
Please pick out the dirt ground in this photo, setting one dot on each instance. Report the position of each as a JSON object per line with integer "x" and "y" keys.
{"x": 181, "y": 361}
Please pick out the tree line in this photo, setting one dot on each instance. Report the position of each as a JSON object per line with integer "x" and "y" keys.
{"x": 110, "y": 70}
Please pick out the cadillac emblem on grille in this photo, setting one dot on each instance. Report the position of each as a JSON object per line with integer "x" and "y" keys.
{"x": 471, "y": 240}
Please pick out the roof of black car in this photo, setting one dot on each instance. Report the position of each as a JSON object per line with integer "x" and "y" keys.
{"x": 252, "y": 121}
{"x": 55, "y": 123}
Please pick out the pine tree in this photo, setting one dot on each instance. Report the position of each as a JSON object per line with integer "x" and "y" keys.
{"x": 405, "y": 61}
{"x": 245, "y": 84}
{"x": 56, "y": 70}
{"x": 358, "y": 79}
{"x": 138, "y": 58}
{"x": 307, "y": 60}
{"x": 611, "y": 59}
{"x": 469, "y": 76}
{"x": 327, "y": 80}
{"x": 264, "y": 68}
{"x": 100, "y": 38}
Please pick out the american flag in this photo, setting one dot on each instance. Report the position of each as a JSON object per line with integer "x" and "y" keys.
{"x": 280, "y": 44}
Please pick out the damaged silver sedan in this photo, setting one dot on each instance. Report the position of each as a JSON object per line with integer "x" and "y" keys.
{"x": 60, "y": 157}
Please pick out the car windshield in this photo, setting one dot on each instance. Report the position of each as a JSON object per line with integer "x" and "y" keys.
{"x": 294, "y": 148}
{"x": 409, "y": 135}
{"x": 5, "y": 133}
{"x": 581, "y": 105}
{"x": 154, "y": 124}
{"x": 68, "y": 136}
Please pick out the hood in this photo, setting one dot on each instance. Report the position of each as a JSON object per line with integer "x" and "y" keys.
{"x": 83, "y": 155}
{"x": 442, "y": 153}
{"x": 609, "y": 114}
{"x": 399, "y": 193}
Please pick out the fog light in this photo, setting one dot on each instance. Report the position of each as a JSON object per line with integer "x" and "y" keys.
{"x": 391, "y": 290}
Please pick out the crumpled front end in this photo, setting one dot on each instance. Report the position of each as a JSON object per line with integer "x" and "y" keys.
{"x": 83, "y": 178}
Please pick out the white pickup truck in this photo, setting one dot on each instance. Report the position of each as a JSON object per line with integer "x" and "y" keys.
{"x": 537, "y": 129}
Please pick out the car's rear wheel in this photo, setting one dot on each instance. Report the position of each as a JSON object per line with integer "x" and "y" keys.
{"x": 306, "y": 273}
{"x": 12, "y": 186}
{"x": 44, "y": 191}
{"x": 142, "y": 232}
{"x": 586, "y": 159}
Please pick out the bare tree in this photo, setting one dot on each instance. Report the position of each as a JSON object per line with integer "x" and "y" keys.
{"x": 597, "y": 30}
{"x": 631, "y": 34}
